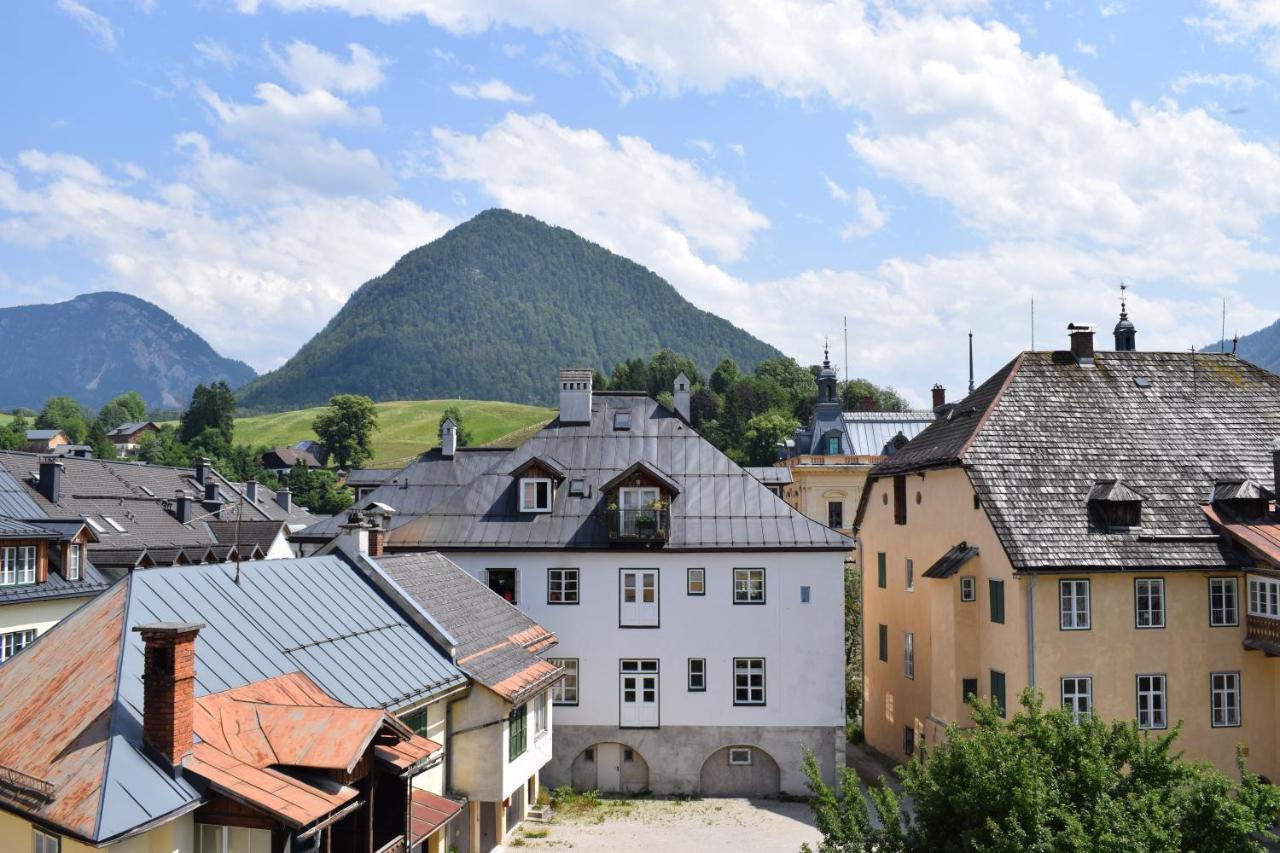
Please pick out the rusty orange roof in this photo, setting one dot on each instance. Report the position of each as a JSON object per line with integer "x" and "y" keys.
{"x": 428, "y": 812}
{"x": 254, "y": 739}
{"x": 1260, "y": 538}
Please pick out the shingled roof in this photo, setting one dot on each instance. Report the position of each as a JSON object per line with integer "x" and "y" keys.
{"x": 1044, "y": 433}
{"x": 720, "y": 505}
{"x": 498, "y": 645}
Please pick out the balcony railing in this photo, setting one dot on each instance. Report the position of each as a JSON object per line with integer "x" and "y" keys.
{"x": 639, "y": 525}
{"x": 1263, "y": 633}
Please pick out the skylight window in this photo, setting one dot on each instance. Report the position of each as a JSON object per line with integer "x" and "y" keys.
{"x": 1142, "y": 381}
{"x": 622, "y": 420}
{"x": 578, "y": 489}
{"x": 148, "y": 491}
{"x": 97, "y": 528}
{"x": 113, "y": 523}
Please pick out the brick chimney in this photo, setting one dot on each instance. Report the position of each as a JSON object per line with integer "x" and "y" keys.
{"x": 448, "y": 438}
{"x": 1081, "y": 343}
{"x": 50, "y": 482}
{"x": 376, "y": 537}
{"x": 168, "y": 687}
{"x": 681, "y": 391}
{"x": 575, "y": 396}
{"x": 867, "y": 404}
{"x": 939, "y": 396}
{"x": 182, "y": 505}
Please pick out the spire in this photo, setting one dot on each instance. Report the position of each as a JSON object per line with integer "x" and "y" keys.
{"x": 826, "y": 353}
{"x": 1126, "y": 333}
{"x": 827, "y": 384}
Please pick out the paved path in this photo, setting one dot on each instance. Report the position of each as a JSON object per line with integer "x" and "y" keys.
{"x": 680, "y": 826}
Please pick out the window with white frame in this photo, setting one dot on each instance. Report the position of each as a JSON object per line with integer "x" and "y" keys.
{"x": 1153, "y": 704}
{"x": 697, "y": 675}
{"x": 1077, "y": 695}
{"x": 1148, "y": 600}
{"x": 540, "y": 715}
{"x": 748, "y": 681}
{"x": 43, "y": 842}
{"x": 75, "y": 554}
{"x": 968, "y": 588}
{"x": 911, "y": 575}
{"x": 1224, "y": 602}
{"x": 562, "y": 586}
{"x": 1224, "y": 698}
{"x": 696, "y": 582}
{"x": 565, "y": 691}
{"x": 748, "y": 586}
{"x": 909, "y": 654}
{"x": 15, "y": 641}
{"x": 17, "y": 565}
{"x": 1073, "y": 605}
{"x": 740, "y": 756}
{"x": 1264, "y": 597}
{"x": 231, "y": 839}
{"x": 535, "y": 494}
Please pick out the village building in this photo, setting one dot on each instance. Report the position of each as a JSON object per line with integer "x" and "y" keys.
{"x": 824, "y": 466}
{"x": 1082, "y": 523}
{"x": 282, "y": 460}
{"x": 45, "y": 440}
{"x": 127, "y": 438}
{"x": 154, "y": 515}
{"x": 700, "y": 618}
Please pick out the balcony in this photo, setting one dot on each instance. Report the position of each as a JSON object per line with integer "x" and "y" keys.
{"x": 1262, "y": 633}
{"x": 638, "y": 526}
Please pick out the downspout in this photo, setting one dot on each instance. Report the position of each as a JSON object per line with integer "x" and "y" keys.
{"x": 1031, "y": 632}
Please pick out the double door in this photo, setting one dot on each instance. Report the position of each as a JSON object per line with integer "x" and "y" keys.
{"x": 638, "y": 694}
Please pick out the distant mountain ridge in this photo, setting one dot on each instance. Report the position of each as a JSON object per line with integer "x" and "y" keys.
{"x": 1261, "y": 347}
{"x": 99, "y": 345}
{"x": 491, "y": 310}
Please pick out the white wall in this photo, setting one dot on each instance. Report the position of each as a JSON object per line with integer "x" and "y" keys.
{"x": 803, "y": 644}
{"x": 480, "y": 739}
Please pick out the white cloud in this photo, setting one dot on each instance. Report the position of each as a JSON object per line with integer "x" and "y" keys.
{"x": 739, "y": 149}
{"x": 1086, "y": 49}
{"x": 1255, "y": 22}
{"x": 1111, "y": 9}
{"x": 836, "y": 191}
{"x": 209, "y": 49}
{"x": 490, "y": 90}
{"x": 90, "y": 21}
{"x": 870, "y": 217}
{"x": 1229, "y": 82}
{"x": 280, "y": 111}
{"x": 254, "y": 279}
{"x": 311, "y": 68}
{"x": 705, "y": 146}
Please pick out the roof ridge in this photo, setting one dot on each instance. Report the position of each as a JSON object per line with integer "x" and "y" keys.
{"x": 113, "y": 712}
{"x": 991, "y": 406}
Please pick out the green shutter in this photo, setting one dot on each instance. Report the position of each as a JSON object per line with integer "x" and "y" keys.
{"x": 517, "y": 732}
{"x": 884, "y": 643}
{"x": 997, "y": 691}
{"x": 997, "y": 600}
{"x": 882, "y": 573}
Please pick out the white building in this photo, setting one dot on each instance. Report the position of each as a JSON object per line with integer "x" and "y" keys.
{"x": 700, "y": 618}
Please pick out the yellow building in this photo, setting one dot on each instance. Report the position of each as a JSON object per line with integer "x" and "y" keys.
{"x": 1052, "y": 530}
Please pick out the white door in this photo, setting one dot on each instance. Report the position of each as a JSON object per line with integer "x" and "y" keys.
{"x": 609, "y": 767}
{"x": 639, "y": 592}
{"x": 638, "y": 686}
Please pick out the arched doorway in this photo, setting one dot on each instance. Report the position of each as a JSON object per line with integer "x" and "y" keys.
{"x": 740, "y": 771}
{"x": 611, "y": 768}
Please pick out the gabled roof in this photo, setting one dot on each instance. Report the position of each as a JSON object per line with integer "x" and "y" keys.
{"x": 1038, "y": 437}
{"x": 1113, "y": 491}
{"x": 721, "y": 506}
{"x": 1236, "y": 490}
{"x": 648, "y": 469}
{"x": 544, "y": 463}
{"x": 125, "y": 430}
{"x": 44, "y": 434}
{"x": 314, "y": 615}
{"x": 290, "y": 456}
{"x": 498, "y": 644}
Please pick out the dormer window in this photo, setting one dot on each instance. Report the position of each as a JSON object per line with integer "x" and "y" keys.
{"x": 535, "y": 494}
{"x": 75, "y": 553}
{"x": 1114, "y": 506}
{"x": 17, "y": 565}
{"x": 622, "y": 420}
{"x": 1243, "y": 500}
{"x": 831, "y": 444}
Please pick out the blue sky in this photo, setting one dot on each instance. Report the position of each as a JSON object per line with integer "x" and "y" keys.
{"x": 921, "y": 168}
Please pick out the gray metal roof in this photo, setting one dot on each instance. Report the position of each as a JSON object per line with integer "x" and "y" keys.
{"x": 42, "y": 434}
{"x": 370, "y": 476}
{"x": 129, "y": 428}
{"x": 873, "y": 433}
{"x": 15, "y": 501}
{"x": 720, "y": 506}
{"x": 318, "y": 616}
{"x": 1044, "y": 434}
{"x": 12, "y": 528}
{"x": 775, "y": 475}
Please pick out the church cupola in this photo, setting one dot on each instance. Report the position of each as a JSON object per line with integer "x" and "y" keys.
{"x": 827, "y": 384}
{"x": 1126, "y": 332}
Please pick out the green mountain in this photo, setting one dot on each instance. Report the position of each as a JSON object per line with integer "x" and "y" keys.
{"x": 492, "y": 310}
{"x": 99, "y": 345}
{"x": 1262, "y": 347}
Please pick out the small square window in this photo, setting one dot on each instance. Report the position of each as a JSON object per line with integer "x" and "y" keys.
{"x": 748, "y": 586}
{"x": 740, "y": 756}
{"x": 503, "y": 582}
{"x": 628, "y": 755}
{"x": 589, "y": 754}
{"x": 968, "y": 588}
{"x": 562, "y": 586}
{"x": 622, "y": 420}
{"x": 696, "y": 582}
{"x": 578, "y": 489}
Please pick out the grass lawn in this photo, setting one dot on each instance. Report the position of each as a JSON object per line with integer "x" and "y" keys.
{"x": 406, "y": 428}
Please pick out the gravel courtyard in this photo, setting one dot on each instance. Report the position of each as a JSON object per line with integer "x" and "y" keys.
{"x": 674, "y": 826}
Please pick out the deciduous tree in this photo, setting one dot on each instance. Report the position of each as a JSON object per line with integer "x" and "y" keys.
{"x": 346, "y": 430}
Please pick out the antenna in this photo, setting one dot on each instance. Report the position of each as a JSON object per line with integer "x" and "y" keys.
{"x": 1222, "y": 341}
{"x": 846, "y": 348}
{"x": 971, "y": 362}
{"x": 1033, "y": 324}
{"x": 1193, "y": 372}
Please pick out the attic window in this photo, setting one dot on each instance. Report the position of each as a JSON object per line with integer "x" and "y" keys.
{"x": 578, "y": 489}
{"x": 622, "y": 420}
{"x": 1142, "y": 381}
{"x": 148, "y": 491}
{"x": 1246, "y": 500}
{"x": 97, "y": 528}
{"x": 1115, "y": 507}
{"x": 113, "y": 523}
{"x": 535, "y": 494}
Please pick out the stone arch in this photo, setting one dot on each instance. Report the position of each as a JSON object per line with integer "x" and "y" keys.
{"x": 611, "y": 768}
{"x": 723, "y": 774}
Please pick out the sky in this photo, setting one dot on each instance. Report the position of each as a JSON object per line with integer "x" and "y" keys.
{"x": 917, "y": 169}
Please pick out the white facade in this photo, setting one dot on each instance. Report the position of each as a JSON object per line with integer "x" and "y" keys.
{"x": 798, "y": 633}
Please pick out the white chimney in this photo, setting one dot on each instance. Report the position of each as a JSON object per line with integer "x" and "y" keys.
{"x": 575, "y": 396}
{"x": 448, "y": 438}
{"x": 681, "y": 393}
{"x": 354, "y": 538}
